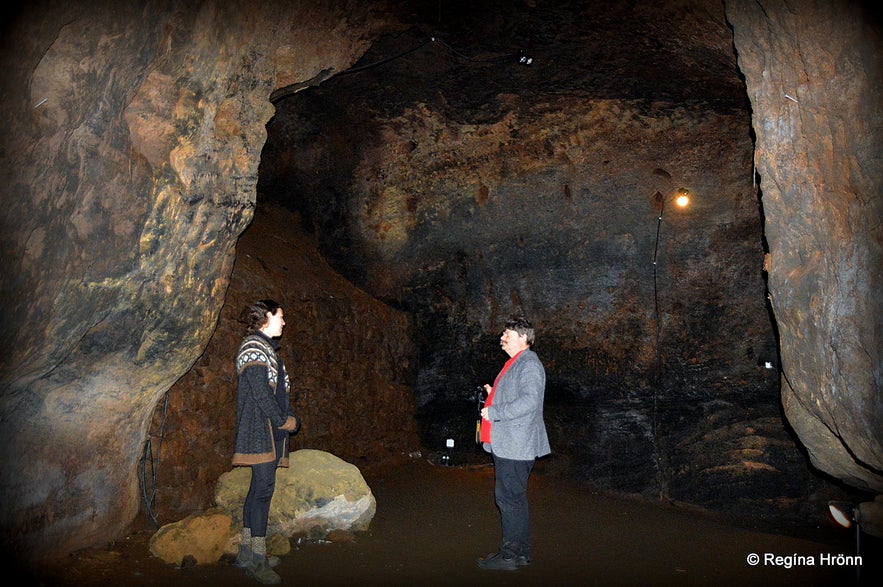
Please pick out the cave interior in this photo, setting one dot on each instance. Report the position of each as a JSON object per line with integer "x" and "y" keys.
{"x": 426, "y": 171}
{"x": 469, "y": 168}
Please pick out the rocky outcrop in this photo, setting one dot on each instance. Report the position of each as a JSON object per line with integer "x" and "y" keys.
{"x": 202, "y": 537}
{"x": 814, "y": 77}
{"x": 131, "y": 145}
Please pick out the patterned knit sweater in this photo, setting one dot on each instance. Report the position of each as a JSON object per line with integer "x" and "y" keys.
{"x": 262, "y": 402}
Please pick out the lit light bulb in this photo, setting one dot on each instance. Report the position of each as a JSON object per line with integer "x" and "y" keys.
{"x": 683, "y": 199}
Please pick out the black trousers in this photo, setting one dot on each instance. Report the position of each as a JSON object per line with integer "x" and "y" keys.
{"x": 510, "y": 493}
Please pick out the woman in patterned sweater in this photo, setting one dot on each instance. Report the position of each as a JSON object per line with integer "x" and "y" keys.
{"x": 264, "y": 421}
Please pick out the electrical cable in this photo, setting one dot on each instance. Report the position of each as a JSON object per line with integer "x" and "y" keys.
{"x": 656, "y": 289}
{"x": 148, "y": 493}
{"x": 657, "y": 455}
{"x": 451, "y": 50}
{"x": 387, "y": 60}
{"x": 456, "y": 53}
{"x": 294, "y": 88}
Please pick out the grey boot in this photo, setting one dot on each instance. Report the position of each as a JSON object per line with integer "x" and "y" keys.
{"x": 245, "y": 556}
{"x": 260, "y": 570}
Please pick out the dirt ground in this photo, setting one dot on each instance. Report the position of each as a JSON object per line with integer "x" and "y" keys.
{"x": 433, "y": 522}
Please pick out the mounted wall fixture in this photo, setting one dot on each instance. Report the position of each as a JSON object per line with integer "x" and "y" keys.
{"x": 681, "y": 199}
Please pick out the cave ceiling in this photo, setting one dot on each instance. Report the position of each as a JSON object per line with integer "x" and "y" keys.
{"x": 483, "y": 128}
{"x": 474, "y": 66}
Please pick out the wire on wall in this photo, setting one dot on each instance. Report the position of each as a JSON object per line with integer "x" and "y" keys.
{"x": 520, "y": 57}
{"x": 147, "y": 465}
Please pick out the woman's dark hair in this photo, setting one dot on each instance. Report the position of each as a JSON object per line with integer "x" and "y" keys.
{"x": 255, "y": 315}
{"x": 522, "y": 327}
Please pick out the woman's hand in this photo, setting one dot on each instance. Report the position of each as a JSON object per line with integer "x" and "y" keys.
{"x": 290, "y": 424}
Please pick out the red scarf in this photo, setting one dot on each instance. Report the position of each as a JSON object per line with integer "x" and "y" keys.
{"x": 485, "y": 430}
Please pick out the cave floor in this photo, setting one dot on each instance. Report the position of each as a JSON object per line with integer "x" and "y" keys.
{"x": 432, "y": 523}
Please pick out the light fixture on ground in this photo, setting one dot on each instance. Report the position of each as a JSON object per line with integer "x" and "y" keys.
{"x": 842, "y": 513}
{"x": 845, "y": 515}
{"x": 446, "y": 457}
{"x": 867, "y": 517}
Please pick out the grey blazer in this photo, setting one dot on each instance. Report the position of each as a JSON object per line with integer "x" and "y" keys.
{"x": 516, "y": 414}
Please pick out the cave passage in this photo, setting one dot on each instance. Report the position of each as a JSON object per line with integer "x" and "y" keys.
{"x": 461, "y": 189}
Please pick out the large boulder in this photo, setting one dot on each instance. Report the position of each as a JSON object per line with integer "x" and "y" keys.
{"x": 203, "y": 536}
{"x": 316, "y": 494}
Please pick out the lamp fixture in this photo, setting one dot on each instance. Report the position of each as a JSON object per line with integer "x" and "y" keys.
{"x": 846, "y": 515}
{"x": 682, "y": 199}
{"x": 842, "y": 513}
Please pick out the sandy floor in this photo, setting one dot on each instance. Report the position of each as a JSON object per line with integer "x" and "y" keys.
{"x": 433, "y": 522}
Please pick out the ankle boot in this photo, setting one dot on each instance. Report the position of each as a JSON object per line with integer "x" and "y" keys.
{"x": 245, "y": 556}
{"x": 260, "y": 571}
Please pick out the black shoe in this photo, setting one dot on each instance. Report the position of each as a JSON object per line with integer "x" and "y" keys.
{"x": 522, "y": 561}
{"x": 498, "y": 562}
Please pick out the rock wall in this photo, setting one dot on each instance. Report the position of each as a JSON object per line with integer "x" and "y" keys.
{"x": 465, "y": 192}
{"x": 814, "y": 77}
{"x": 351, "y": 360}
{"x": 131, "y": 145}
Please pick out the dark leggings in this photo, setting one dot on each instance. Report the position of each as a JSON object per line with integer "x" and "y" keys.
{"x": 256, "y": 509}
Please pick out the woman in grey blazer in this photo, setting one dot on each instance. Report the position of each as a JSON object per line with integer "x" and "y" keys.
{"x": 513, "y": 431}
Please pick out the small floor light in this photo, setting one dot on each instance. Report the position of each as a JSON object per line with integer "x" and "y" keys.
{"x": 844, "y": 514}
{"x": 446, "y": 458}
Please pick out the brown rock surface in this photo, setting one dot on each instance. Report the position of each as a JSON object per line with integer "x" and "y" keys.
{"x": 203, "y": 536}
{"x": 318, "y": 494}
{"x": 131, "y": 144}
{"x": 814, "y": 77}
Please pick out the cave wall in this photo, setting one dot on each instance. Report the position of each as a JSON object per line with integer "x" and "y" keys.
{"x": 814, "y": 77}
{"x": 467, "y": 192}
{"x": 131, "y": 145}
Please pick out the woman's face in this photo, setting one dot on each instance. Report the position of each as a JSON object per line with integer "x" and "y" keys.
{"x": 275, "y": 324}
